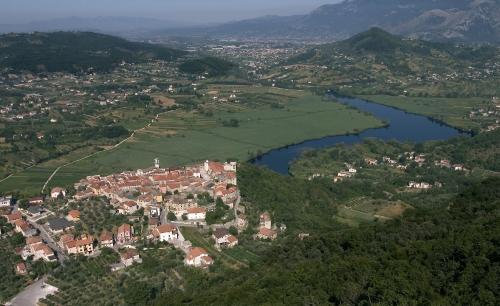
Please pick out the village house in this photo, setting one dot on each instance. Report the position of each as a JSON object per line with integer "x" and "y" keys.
{"x": 73, "y": 215}
{"x": 21, "y": 269}
{"x": 265, "y": 220}
{"x": 228, "y": 194}
{"x": 106, "y": 239}
{"x": 59, "y": 225}
{"x": 443, "y": 163}
{"x": 124, "y": 234}
{"x": 166, "y": 232}
{"x": 5, "y": 201}
{"x": 371, "y": 161}
{"x": 23, "y": 227}
{"x": 36, "y": 200}
{"x": 56, "y": 192}
{"x": 196, "y": 213}
{"x": 198, "y": 257}
{"x": 268, "y": 234}
{"x": 38, "y": 249}
{"x": 223, "y": 239}
{"x": 128, "y": 208}
{"x": 129, "y": 256}
{"x": 241, "y": 222}
{"x": 13, "y": 217}
{"x": 422, "y": 185}
{"x": 83, "y": 245}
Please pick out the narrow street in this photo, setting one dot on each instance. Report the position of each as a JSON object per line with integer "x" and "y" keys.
{"x": 47, "y": 237}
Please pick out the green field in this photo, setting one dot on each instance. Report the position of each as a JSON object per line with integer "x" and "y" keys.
{"x": 452, "y": 111}
{"x": 181, "y": 137}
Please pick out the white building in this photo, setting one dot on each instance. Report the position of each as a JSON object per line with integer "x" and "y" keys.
{"x": 5, "y": 201}
{"x": 196, "y": 213}
{"x": 166, "y": 232}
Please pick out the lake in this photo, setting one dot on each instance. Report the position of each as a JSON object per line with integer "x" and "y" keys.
{"x": 402, "y": 126}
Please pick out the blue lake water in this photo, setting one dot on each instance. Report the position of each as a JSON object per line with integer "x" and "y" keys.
{"x": 402, "y": 126}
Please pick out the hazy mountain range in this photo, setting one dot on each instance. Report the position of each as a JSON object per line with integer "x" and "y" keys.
{"x": 462, "y": 20}
{"x": 123, "y": 26}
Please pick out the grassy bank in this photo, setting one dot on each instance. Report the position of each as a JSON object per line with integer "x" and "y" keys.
{"x": 452, "y": 111}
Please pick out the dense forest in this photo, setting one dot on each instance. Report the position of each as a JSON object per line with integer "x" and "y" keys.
{"x": 429, "y": 257}
{"x": 75, "y": 52}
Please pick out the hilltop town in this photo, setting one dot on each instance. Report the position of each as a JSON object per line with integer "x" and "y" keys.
{"x": 147, "y": 206}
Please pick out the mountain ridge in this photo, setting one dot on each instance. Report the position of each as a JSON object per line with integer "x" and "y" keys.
{"x": 475, "y": 21}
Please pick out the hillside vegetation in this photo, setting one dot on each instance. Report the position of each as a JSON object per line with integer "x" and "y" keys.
{"x": 75, "y": 52}
{"x": 210, "y": 65}
{"x": 377, "y": 62}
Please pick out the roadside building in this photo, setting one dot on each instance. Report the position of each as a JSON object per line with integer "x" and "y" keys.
{"x": 196, "y": 213}
{"x": 57, "y": 192}
{"x": 59, "y": 225}
{"x": 166, "y": 232}
{"x": 106, "y": 239}
{"x": 124, "y": 234}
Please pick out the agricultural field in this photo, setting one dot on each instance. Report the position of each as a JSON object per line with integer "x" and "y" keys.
{"x": 361, "y": 210}
{"x": 264, "y": 119}
{"x": 452, "y": 111}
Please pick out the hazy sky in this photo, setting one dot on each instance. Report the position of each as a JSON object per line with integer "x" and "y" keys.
{"x": 195, "y": 11}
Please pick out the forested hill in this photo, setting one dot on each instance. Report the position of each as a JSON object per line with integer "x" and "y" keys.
{"x": 75, "y": 52}
{"x": 429, "y": 257}
{"x": 398, "y": 52}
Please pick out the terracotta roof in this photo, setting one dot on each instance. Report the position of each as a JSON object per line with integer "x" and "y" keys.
{"x": 165, "y": 228}
{"x": 105, "y": 236}
{"x": 196, "y": 210}
{"x": 232, "y": 239}
{"x": 74, "y": 214}
{"x": 14, "y": 216}
{"x": 267, "y": 232}
{"x": 124, "y": 228}
{"x": 33, "y": 240}
{"x": 196, "y": 252}
{"x": 128, "y": 254}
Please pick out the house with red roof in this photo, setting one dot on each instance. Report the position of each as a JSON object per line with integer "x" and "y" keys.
{"x": 106, "y": 239}
{"x": 73, "y": 215}
{"x": 166, "y": 232}
{"x": 124, "y": 234}
{"x": 196, "y": 213}
{"x": 198, "y": 257}
{"x": 268, "y": 234}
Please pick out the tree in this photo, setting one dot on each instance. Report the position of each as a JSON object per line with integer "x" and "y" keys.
{"x": 139, "y": 293}
{"x": 233, "y": 231}
{"x": 171, "y": 216}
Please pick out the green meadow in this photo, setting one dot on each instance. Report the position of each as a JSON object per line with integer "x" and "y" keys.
{"x": 452, "y": 111}
{"x": 181, "y": 137}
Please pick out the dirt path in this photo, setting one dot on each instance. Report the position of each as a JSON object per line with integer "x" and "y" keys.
{"x": 99, "y": 152}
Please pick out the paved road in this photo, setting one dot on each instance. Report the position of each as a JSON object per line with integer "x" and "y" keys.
{"x": 47, "y": 237}
{"x": 31, "y": 294}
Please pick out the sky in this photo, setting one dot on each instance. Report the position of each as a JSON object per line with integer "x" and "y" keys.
{"x": 190, "y": 11}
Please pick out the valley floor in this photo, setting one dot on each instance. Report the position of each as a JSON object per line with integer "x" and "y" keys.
{"x": 182, "y": 137}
